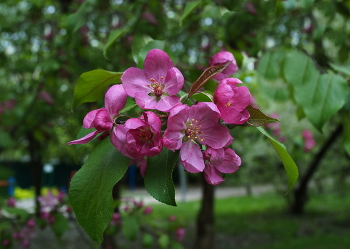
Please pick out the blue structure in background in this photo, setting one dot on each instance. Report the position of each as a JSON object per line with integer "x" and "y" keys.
{"x": 11, "y": 186}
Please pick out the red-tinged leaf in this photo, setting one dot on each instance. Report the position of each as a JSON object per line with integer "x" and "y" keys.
{"x": 205, "y": 76}
{"x": 258, "y": 118}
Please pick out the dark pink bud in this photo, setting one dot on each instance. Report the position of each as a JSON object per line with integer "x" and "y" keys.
{"x": 116, "y": 217}
{"x": 147, "y": 210}
{"x": 5, "y": 242}
{"x": 172, "y": 217}
{"x": 180, "y": 234}
{"x": 16, "y": 236}
{"x": 250, "y": 8}
{"x": 138, "y": 203}
{"x": 25, "y": 243}
{"x": 11, "y": 202}
{"x": 46, "y": 97}
{"x": 150, "y": 18}
{"x": 31, "y": 223}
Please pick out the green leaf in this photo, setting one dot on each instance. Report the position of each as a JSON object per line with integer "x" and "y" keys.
{"x": 258, "y": 118}
{"x": 346, "y": 125}
{"x": 82, "y": 133}
{"x": 269, "y": 65}
{"x": 60, "y": 226}
{"x": 158, "y": 178}
{"x": 176, "y": 245}
{"x": 153, "y": 44}
{"x": 92, "y": 85}
{"x": 76, "y": 20}
{"x": 342, "y": 69}
{"x": 130, "y": 227}
{"x": 18, "y": 212}
{"x": 321, "y": 98}
{"x": 113, "y": 36}
{"x": 288, "y": 163}
{"x": 147, "y": 240}
{"x": 190, "y": 6}
{"x": 163, "y": 241}
{"x": 91, "y": 188}
{"x": 299, "y": 68}
{"x": 205, "y": 96}
{"x": 138, "y": 42}
{"x": 130, "y": 104}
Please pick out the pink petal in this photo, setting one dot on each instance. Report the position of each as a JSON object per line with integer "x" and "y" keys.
{"x": 145, "y": 101}
{"x": 152, "y": 120}
{"x": 216, "y": 156}
{"x": 216, "y": 137}
{"x": 192, "y": 157}
{"x": 174, "y": 81}
{"x": 89, "y": 119}
{"x": 118, "y": 139}
{"x": 178, "y": 117}
{"x": 165, "y": 104}
{"x": 231, "y": 163}
{"x": 172, "y": 139}
{"x": 206, "y": 113}
{"x": 231, "y": 116}
{"x": 212, "y": 175}
{"x": 134, "y": 81}
{"x": 85, "y": 139}
{"x": 142, "y": 164}
{"x": 156, "y": 64}
{"x": 115, "y": 99}
{"x": 241, "y": 98}
{"x": 102, "y": 120}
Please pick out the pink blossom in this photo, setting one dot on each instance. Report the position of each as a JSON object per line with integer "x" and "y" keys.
{"x": 139, "y": 138}
{"x": 16, "y": 236}
{"x": 115, "y": 219}
{"x": 46, "y": 96}
{"x": 180, "y": 234}
{"x": 172, "y": 218}
{"x": 48, "y": 202}
{"x": 232, "y": 101}
{"x": 309, "y": 141}
{"x": 103, "y": 119}
{"x": 147, "y": 210}
{"x": 222, "y": 58}
{"x": 155, "y": 86}
{"x": 11, "y": 202}
{"x": 189, "y": 127}
{"x": 31, "y": 223}
{"x": 5, "y": 242}
{"x": 217, "y": 161}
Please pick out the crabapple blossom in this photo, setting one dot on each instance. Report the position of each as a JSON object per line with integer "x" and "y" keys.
{"x": 180, "y": 234}
{"x": 217, "y": 161}
{"x": 154, "y": 87}
{"x": 309, "y": 141}
{"x": 48, "y": 202}
{"x": 11, "y": 202}
{"x": 190, "y": 127}
{"x": 147, "y": 210}
{"x": 232, "y": 101}
{"x": 103, "y": 119}
{"x": 222, "y": 58}
{"x": 139, "y": 138}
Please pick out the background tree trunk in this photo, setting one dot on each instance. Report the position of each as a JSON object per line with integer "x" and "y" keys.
{"x": 205, "y": 218}
{"x": 300, "y": 193}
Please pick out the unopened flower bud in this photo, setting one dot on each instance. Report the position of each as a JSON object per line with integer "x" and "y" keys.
{"x": 147, "y": 210}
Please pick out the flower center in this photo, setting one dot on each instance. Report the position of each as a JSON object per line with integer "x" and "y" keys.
{"x": 145, "y": 135}
{"x": 193, "y": 131}
{"x": 156, "y": 87}
{"x": 228, "y": 104}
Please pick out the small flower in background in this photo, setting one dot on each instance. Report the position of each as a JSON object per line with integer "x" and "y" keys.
{"x": 147, "y": 210}
{"x": 11, "y": 202}
{"x": 148, "y": 16}
{"x": 309, "y": 141}
{"x": 46, "y": 96}
{"x": 222, "y": 58}
{"x": 31, "y": 223}
{"x": 180, "y": 234}
{"x": 115, "y": 219}
{"x": 103, "y": 119}
{"x": 172, "y": 218}
{"x": 250, "y": 8}
{"x": 48, "y": 202}
{"x": 154, "y": 87}
{"x": 5, "y": 242}
{"x": 188, "y": 127}
{"x": 232, "y": 101}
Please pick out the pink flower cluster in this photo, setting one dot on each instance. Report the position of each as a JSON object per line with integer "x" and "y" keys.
{"x": 309, "y": 141}
{"x": 198, "y": 131}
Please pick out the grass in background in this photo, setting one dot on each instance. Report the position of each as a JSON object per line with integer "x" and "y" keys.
{"x": 264, "y": 222}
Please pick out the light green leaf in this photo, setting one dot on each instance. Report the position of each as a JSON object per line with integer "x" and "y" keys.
{"x": 321, "y": 97}
{"x": 60, "y": 226}
{"x": 269, "y": 65}
{"x": 154, "y": 44}
{"x": 138, "y": 42}
{"x": 163, "y": 241}
{"x": 205, "y": 96}
{"x": 113, "y": 36}
{"x": 342, "y": 69}
{"x": 147, "y": 240}
{"x": 91, "y": 187}
{"x": 18, "y": 212}
{"x": 288, "y": 163}
{"x": 130, "y": 104}
{"x": 130, "y": 227}
{"x": 158, "y": 178}
{"x": 176, "y": 245}
{"x": 92, "y": 85}
{"x": 258, "y": 118}
{"x": 190, "y": 6}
